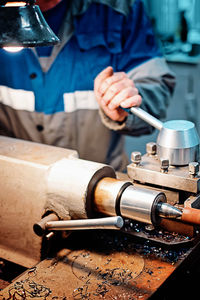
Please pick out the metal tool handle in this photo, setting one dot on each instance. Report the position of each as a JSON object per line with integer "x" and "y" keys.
{"x": 40, "y": 227}
{"x": 101, "y": 223}
{"x": 145, "y": 116}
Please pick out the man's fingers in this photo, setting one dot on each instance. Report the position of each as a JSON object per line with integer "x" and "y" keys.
{"x": 115, "y": 91}
{"x": 132, "y": 101}
{"x": 116, "y": 88}
{"x": 109, "y": 81}
{"x": 101, "y": 77}
{"x": 122, "y": 96}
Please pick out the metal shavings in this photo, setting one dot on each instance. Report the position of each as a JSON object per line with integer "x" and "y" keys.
{"x": 116, "y": 276}
{"x": 104, "y": 279}
{"x": 106, "y": 241}
{"x": 168, "y": 255}
{"x": 81, "y": 293}
{"x": 153, "y": 233}
{"x": 150, "y": 272}
{"x": 101, "y": 290}
{"x": 27, "y": 289}
{"x": 32, "y": 271}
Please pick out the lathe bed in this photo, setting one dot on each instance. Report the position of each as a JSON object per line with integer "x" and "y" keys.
{"x": 105, "y": 265}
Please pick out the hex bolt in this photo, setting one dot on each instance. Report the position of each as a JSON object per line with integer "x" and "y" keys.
{"x": 193, "y": 168}
{"x": 151, "y": 148}
{"x": 136, "y": 158}
{"x": 164, "y": 165}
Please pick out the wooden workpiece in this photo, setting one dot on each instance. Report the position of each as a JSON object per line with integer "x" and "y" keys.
{"x": 191, "y": 215}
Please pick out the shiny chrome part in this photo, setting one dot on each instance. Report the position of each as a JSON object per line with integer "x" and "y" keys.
{"x": 178, "y": 141}
{"x": 115, "y": 197}
{"x": 101, "y": 223}
{"x": 147, "y": 117}
{"x": 165, "y": 210}
{"x": 141, "y": 204}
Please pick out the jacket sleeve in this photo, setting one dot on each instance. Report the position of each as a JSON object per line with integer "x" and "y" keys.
{"x": 142, "y": 60}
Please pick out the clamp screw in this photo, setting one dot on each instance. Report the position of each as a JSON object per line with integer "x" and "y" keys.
{"x": 193, "y": 168}
{"x": 151, "y": 148}
{"x": 164, "y": 165}
{"x": 136, "y": 157}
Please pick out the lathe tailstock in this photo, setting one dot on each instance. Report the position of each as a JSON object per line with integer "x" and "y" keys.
{"x": 23, "y": 170}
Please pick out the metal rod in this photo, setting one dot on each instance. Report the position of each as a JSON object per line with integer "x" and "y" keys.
{"x": 101, "y": 223}
{"x": 146, "y": 117}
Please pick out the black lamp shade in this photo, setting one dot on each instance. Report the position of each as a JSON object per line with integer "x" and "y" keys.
{"x": 24, "y": 26}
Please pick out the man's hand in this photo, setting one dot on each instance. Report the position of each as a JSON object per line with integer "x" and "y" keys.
{"x": 113, "y": 90}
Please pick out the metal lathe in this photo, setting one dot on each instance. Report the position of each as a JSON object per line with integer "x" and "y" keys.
{"x": 83, "y": 231}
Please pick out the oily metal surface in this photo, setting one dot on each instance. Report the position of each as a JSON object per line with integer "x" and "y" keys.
{"x": 82, "y": 274}
{"x": 3, "y": 284}
{"x": 96, "y": 265}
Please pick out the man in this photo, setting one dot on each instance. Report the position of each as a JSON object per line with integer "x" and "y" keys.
{"x": 47, "y": 94}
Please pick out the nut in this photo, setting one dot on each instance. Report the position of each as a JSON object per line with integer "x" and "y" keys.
{"x": 136, "y": 157}
{"x": 151, "y": 148}
{"x": 164, "y": 165}
{"x": 193, "y": 168}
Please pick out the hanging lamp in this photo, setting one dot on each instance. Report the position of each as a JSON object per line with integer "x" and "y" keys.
{"x": 23, "y": 25}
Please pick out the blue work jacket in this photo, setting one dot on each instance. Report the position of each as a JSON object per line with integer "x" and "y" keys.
{"x": 56, "y": 105}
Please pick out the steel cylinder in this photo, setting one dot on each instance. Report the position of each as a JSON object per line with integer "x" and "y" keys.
{"x": 178, "y": 142}
{"x": 140, "y": 204}
{"x": 115, "y": 197}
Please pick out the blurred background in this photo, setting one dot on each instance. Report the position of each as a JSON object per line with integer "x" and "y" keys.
{"x": 177, "y": 27}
